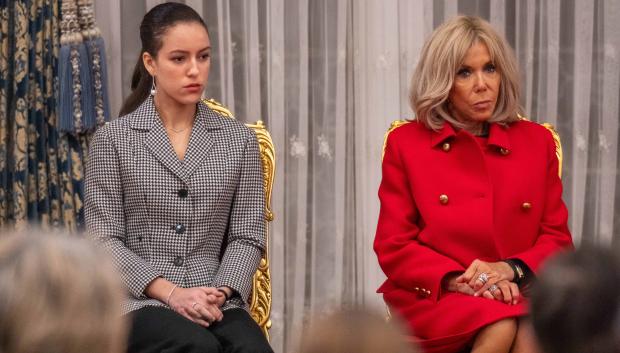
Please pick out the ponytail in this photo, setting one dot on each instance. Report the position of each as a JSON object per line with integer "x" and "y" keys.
{"x": 141, "y": 82}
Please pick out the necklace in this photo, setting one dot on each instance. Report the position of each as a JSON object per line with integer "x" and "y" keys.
{"x": 177, "y": 131}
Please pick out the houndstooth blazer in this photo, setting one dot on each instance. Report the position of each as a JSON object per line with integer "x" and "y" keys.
{"x": 196, "y": 222}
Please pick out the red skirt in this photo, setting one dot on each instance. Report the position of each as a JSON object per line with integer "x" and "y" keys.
{"x": 450, "y": 324}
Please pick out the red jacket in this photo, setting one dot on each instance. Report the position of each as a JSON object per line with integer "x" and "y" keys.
{"x": 448, "y": 198}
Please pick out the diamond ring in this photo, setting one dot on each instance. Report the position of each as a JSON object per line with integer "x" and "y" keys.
{"x": 484, "y": 277}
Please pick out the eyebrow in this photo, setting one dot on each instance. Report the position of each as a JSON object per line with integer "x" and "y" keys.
{"x": 463, "y": 66}
{"x": 180, "y": 51}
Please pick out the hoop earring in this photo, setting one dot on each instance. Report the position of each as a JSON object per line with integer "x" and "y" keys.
{"x": 153, "y": 87}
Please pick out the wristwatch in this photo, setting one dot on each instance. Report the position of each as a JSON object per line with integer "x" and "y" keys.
{"x": 519, "y": 274}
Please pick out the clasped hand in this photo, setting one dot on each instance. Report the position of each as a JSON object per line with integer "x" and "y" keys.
{"x": 497, "y": 285}
{"x": 199, "y": 304}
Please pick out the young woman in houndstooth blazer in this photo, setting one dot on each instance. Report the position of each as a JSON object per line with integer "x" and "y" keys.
{"x": 174, "y": 191}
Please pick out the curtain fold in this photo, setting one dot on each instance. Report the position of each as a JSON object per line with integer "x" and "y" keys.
{"x": 41, "y": 170}
{"x": 328, "y": 77}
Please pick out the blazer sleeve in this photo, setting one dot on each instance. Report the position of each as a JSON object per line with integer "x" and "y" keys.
{"x": 553, "y": 231}
{"x": 105, "y": 215}
{"x": 405, "y": 261}
{"x": 246, "y": 228}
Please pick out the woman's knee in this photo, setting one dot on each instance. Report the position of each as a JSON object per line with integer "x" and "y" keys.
{"x": 507, "y": 326}
{"x": 157, "y": 329}
{"x": 496, "y": 337}
{"x": 238, "y": 332}
{"x": 249, "y": 343}
{"x": 525, "y": 340}
{"x": 201, "y": 342}
{"x": 260, "y": 347}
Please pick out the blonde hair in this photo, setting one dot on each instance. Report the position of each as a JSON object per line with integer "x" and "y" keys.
{"x": 356, "y": 330}
{"x": 442, "y": 56}
{"x": 58, "y": 294}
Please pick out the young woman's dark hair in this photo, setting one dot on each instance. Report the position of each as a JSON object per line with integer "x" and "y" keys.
{"x": 152, "y": 29}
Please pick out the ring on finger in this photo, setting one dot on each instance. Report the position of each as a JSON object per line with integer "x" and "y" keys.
{"x": 194, "y": 305}
{"x": 493, "y": 288}
{"x": 484, "y": 277}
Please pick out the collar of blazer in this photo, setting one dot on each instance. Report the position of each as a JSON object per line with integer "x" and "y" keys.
{"x": 145, "y": 116}
{"x": 202, "y": 139}
{"x": 498, "y": 135}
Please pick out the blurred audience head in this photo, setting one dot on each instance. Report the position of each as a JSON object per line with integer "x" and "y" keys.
{"x": 356, "y": 330}
{"x": 575, "y": 303}
{"x": 58, "y": 294}
{"x": 440, "y": 60}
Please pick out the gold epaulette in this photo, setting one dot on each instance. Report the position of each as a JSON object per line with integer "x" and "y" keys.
{"x": 395, "y": 124}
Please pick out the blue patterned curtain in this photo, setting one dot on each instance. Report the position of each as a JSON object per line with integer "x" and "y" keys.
{"x": 41, "y": 170}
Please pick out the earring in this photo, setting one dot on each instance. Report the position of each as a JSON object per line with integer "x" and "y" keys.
{"x": 153, "y": 87}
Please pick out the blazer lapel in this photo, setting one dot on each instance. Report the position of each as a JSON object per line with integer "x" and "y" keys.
{"x": 157, "y": 141}
{"x": 204, "y": 136}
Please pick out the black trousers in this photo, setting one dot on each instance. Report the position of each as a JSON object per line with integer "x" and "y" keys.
{"x": 157, "y": 329}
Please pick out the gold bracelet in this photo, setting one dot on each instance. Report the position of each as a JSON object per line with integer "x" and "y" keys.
{"x": 170, "y": 294}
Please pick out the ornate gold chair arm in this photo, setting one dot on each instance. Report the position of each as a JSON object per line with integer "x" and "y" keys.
{"x": 260, "y": 302}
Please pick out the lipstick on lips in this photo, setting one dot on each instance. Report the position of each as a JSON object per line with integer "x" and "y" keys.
{"x": 482, "y": 105}
{"x": 193, "y": 87}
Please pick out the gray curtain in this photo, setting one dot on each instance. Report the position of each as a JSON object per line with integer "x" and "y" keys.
{"x": 328, "y": 76}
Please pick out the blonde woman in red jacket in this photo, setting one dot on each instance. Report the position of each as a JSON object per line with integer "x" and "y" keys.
{"x": 471, "y": 199}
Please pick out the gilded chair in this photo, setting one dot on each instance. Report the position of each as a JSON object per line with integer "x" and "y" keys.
{"x": 260, "y": 300}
